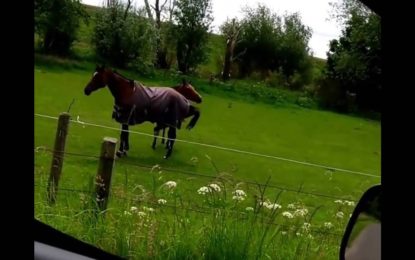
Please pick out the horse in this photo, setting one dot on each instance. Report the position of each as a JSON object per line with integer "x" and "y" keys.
{"x": 189, "y": 92}
{"x": 135, "y": 103}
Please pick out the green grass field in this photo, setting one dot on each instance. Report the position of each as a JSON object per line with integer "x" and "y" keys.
{"x": 292, "y": 132}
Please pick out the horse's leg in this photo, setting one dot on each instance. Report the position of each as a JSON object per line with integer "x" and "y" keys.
{"x": 195, "y": 112}
{"x": 124, "y": 145}
{"x": 172, "y": 136}
{"x": 156, "y": 133}
{"x": 127, "y": 141}
{"x": 163, "y": 134}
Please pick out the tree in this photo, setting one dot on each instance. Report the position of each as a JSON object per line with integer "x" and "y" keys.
{"x": 193, "y": 18}
{"x": 294, "y": 52}
{"x": 56, "y": 21}
{"x": 260, "y": 40}
{"x": 354, "y": 59}
{"x": 123, "y": 36}
{"x": 231, "y": 30}
{"x": 271, "y": 43}
{"x": 162, "y": 26}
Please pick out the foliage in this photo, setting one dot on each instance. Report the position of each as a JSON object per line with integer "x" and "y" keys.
{"x": 123, "y": 37}
{"x": 193, "y": 18}
{"x": 57, "y": 21}
{"x": 354, "y": 63}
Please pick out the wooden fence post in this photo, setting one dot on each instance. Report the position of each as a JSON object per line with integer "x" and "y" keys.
{"x": 103, "y": 178}
{"x": 58, "y": 155}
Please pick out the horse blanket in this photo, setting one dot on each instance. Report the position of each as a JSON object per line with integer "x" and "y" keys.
{"x": 154, "y": 104}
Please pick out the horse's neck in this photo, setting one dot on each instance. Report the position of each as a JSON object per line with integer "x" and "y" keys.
{"x": 120, "y": 89}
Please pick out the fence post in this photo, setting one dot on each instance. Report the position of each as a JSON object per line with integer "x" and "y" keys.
{"x": 103, "y": 178}
{"x": 58, "y": 154}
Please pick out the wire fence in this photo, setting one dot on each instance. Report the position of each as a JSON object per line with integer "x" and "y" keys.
{"x": 325, "y": 167}
{"x": 220, "y": 176}
{"x": 204, "y": 210}
{"x": 196, "y": 174}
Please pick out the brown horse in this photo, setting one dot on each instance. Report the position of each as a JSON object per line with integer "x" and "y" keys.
{"x": 135, "y": 104}
{"x": 189, "y": 92}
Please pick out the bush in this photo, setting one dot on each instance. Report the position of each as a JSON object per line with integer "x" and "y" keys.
{"x": 276, "y": 80}
{"x": 193, "y": 21}
{"x": 56, "y": 22}
{"x": 331, "y": 95}
{"x": 124, "y": 38}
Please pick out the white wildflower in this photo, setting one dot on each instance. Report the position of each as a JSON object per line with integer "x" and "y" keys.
{"x": 156, "y": 167}
{"x": 238, "y": 198}
{"x": 127, "y": 213}
{"x": 239, "y": 195}
{"x": 141, "y": 214}
{"x": 162, "y": 201}
{"x": 349, "y": 203}
{"x": 133, "y": 209}
{"x": 291, "y": 206}
{"x": 300, "y": 212}
{"x": 171, "y": 184}
{"x": 148, "y": 209}
{"x": 249, "y": 209}
{"x": 287, "y": 214}
{"x": 328, "y": 225}
{"x": 338, "y": 202}
{"x": 203, "y": 190}
{"x": 284, "y": 233}
{"x": 340, "y": 214}
{"x": 273, "y": 206}
{"x": 306, "y": 226}
{"x": 215, "y": 187}
{"x": 298, "y": 234}
{"x": 264, "y": 204}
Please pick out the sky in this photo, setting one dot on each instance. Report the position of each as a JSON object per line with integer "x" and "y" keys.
{"x": 314, "y": 13}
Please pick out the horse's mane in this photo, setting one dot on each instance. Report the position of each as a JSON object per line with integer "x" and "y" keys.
{"x": 130, "y": 80}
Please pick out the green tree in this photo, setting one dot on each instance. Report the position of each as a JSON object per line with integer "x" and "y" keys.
{"x": 123, "y": 36}
{"x": 295, "y": 60}
{"x": 273, "y": 43}
{"x": 354, "y": 60}
{"x": 163, "y": 13}
{"x": 193, "y": 18}
{"x": 260, "y": 40}
{"x": 56, "y": 22}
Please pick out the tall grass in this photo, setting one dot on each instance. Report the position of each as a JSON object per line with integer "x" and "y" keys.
{"x": 156, "y": 222}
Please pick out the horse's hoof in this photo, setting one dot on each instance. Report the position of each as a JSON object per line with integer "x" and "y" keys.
{"x": 120, "y": 154}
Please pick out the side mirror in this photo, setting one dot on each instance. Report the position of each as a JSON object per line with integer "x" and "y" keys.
{"x": 362, "y": 238}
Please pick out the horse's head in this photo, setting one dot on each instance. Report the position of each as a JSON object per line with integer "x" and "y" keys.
{"x": 99, "y": 80}
{"x": 189, "y": 92}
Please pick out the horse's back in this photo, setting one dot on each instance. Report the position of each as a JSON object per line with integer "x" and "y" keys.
{"x": 163, "y": 98}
